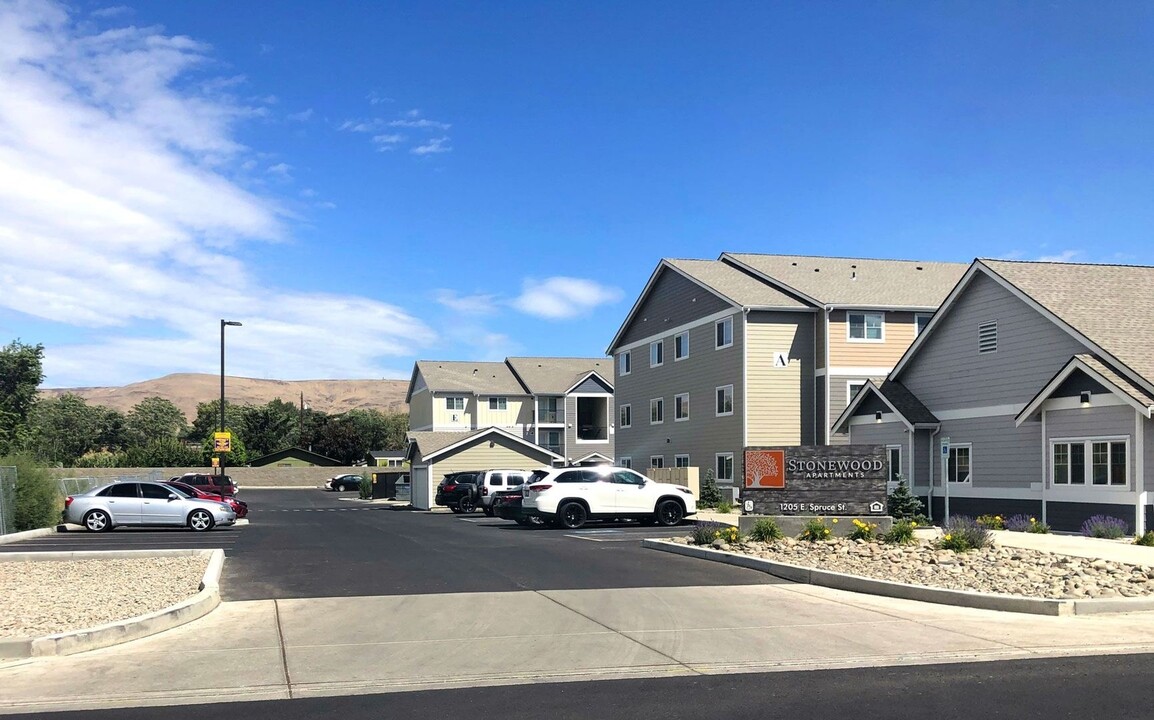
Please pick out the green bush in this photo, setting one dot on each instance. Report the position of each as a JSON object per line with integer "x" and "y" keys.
{"x": 961, "y": 533}
{"x": 863, "y": 530}
{"x": 766, "y": 530}
{"x": 992, "y": 522}
{"x": 902, "y": 532}
{"x": 710, "y": 494}
{"x": 38, "y": 502}
{"x": 1146, "y": 539}
{"x": 724, "y": 507}
{"x": 366, "y": 486}
{"x": 815, "y": 529}
{"x": 904, "y": 505}
{"x": 705, "y": 533}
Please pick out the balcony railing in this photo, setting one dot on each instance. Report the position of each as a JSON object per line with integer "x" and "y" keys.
{"x": 551, "y": 447}
{"x": 592, "y": 432}
{"x": 550, "y": 417}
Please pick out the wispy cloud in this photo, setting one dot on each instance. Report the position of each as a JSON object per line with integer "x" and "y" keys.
{"x": 388, "y": 142}
{"x": 435, "y": 145}
{"x": 1062, "y": 257}
{"x": 467, "y": 304}
{"x": 376, "y": 98}
{"x": 560, "y": 298}
{"x": 302, "y": 116}
{"x": 280, "y": 170}
{"x": 361, "y": 126}
{"x": 110, "y": 12}
{"x": 265, "y": 48}
{"x": 422, "y": 124}
{"x": 421, "y": 138}
{"x": 117, "y": 212}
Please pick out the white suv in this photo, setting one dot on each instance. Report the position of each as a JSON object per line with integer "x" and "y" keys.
{"x": 492, "y": 483}
{"x": 571, "y": 496}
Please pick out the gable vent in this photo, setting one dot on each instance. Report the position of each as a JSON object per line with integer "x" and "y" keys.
{"x": 988, "y": 337}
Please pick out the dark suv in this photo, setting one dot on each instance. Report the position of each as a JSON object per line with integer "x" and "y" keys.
{"x": 216, "y": 484}
{"x": 459, "y": 491}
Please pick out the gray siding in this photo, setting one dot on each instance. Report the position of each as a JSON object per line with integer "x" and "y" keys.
{"x": 948, "y": 372}
{"x": 1001, "y": 455}
{"x": 821, "y": 433}
{"x": 839, "y": 400}
{"x": 573, "y": 449}
{"x": 700, "y": 374}
{"x": 1148, "y": 453}
{"x": 672, "y": 301}
{"x": 592, "y": 385}
{"x": 1116, "y": 420}
{"x": 924, "y": 454}
{"x": 890, "y": 433}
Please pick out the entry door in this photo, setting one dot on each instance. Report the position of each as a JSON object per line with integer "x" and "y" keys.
{"x": 631, "y": 498}
{"x": 157, "y": 509}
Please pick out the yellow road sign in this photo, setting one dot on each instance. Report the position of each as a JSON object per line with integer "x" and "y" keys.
{"x": 222, "y": 442}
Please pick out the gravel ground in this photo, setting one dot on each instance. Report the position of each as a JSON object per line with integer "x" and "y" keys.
{"x": 46, "y": 597}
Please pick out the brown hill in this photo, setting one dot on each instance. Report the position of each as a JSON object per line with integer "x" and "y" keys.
{"x": 185, "y": 390}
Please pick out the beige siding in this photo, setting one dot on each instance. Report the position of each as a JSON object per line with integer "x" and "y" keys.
{"x": 898, "y": 333}
{"x": 421, "y": 410}
{"x": 774, "y": 394}
{"x": 518, "y": 412}
{"x": 504, "y": 454}
{"x": 443, "y": 419}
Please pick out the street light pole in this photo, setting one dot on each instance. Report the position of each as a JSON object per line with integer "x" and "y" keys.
{"x": 223, "y": 456}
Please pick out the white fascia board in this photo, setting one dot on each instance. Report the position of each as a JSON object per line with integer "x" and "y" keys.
{"x": 1075, "y": 364}
{"x": 586, "y": 376}
{"x": 858, "y": 399}
{"x": 490, "y": 431}
{"x": 846, "y": 371}
{"x": 707, "y": 320}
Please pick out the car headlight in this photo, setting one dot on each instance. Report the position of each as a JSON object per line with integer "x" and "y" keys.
{"x": 687, "y": 491}
{"x": 226, "y": 508}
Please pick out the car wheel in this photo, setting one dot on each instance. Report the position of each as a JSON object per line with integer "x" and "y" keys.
{"x": 456, "y": 508}
{"x": 488, "y": 510}
{"x": 523, "y": 522}
{"x": 98, "y": 521}
{"x": 669, "y": 512}
{"x": 200, "y": 520}
{"x": 467, "y": 505}
{"x": 572, "y": 515}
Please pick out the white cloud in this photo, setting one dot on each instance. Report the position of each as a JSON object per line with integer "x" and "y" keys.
{"x": 388, "y": 142}
{"x": 302, "y": 116}
{"x": 421, "y": 124}
{"x": 117, "y": 217}
{"x": 281, "y": 170}
{"x": 113, "y": 11}
{"x": 361, "y": 126}
{"x": 1063, "y": 257}
{"x": 375, "y": 98}
{"x": 435, "y": 145}
{"x": 559, "y": 298}
{"x": 467, "y": 304}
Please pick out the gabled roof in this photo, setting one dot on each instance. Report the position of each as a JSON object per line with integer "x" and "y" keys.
{"x": 736, "y": 286}
{"x": 298, "y": 453}
{"x": 1105, "y": 307}
{"x": 474, "y": 378}
{"x": 897, "y": 397}
{"x": 557, "y": 376}
{"x": 856, "y": 282}
{"x": 1099, "y": 371}
{"x": 435, "y": 444}
{"x": 387, "y": 453}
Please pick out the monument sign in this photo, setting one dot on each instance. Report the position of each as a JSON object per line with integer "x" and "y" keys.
{"x": 815, "y": 480}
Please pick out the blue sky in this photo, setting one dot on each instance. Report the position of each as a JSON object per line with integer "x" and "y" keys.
{"x": 367, "y": 184}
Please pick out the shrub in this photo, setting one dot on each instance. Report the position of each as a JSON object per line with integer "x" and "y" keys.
{"x": 992, "y": 522}
{"x": 1146, "y": 539}
{"x": 815, "y": 529}
{"x": 37, "y": 500}
{"x": 766, "y": 530}
{"x": 724, "y": 507}
{"x": 903, "y": 505}
{"x": 1105, "y": 526}
{"x": 705, "y": 533}
{"x": 863, "y": 530}
{"x": 710, "y": 494}
{"x": 962, "y": 533}
{"x": 1025, "y": 523}
{"x": 366, "y": 486}
{"x": 902, "y": 532}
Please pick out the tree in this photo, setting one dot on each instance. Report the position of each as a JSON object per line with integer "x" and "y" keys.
{"x": 238, "y": 455}
{"x": 111, "y": 429}
{"x": 154, "y": 418}
{"x": 340, "y": 439}
{"x": 63, "y": 428}
{"x": 270, "y": 427}
{"x": 208, "y": 419}
{"x": 21, "y": 372}
{"x": 903, "y": 505}
{"x": 710, "y": 495}
{"x": 163, "y": 452}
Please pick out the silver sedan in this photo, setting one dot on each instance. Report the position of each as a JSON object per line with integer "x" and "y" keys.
{"x": 143, "y": 503}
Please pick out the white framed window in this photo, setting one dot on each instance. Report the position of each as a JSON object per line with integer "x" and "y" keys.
{"x": 724, "y": 466}
{"x": 959, "y": 466}
{"x": 724, "y": 400}
{"x": 724, "y": 331}
{"x": 921, "y": 320}
{"x": 657, "y": 353}
{"x": 656, "y": 461}
{"x": 680, "y": 346}
{"x": 656, "y": 411}
{"x": 681, "y": 407}
{"x": 894, "y": 459}
{"x": 498, "y": 403}
{"x": 1100, "y": 462}
{"x": 988, "y": 337}
{"x": 865, "y": 327}
{"x": 625, "y": 462}
{"x": 680, "y": 461}
{"x": 852, "y": 388}
{"x": 624, "y": 363}
{"x": 625, "y": 416}
{"x": 454, "y": 403}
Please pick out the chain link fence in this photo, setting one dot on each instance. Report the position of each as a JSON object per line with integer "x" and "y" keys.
{"x": 68, "y": 486}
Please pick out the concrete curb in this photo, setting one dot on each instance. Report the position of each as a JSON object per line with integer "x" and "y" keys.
{"x": 26, "y": 535}
{"x": 121, "y": 631}
{"x": 886, "y": 588}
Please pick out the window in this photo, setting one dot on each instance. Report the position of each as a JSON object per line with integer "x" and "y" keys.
{"x": 155, "y": 492}
{"x": 680, "y": 461}
{"x": 656, "y": 461}
{"x": 573, "y": 476}
{"x": 958, "y": 465}
{"x": 1104, "y": 463}
{"x": 626, "y": 416}
{"x": 657, "y": 353}
{"x": 681, "y": 407}
{"x": 120, "y": 490}
{"x": 681, "y": 346}
{"x": 894, "y": 457}
{"x": 724, "y": 463}
{"x": 454, "y": 403}
{"x": 624, "y": 363}
{"x": 625, "y": 462}
{"x": 725, "y": 400}
{"x": 498, "y": 403}
{"x": 724, "y": 333}
{"x": 988, "y": 338}
{"x": 852, "y": 388}
{"x": 921, "y": 320}
{"x": 656, "y": 411}
{"x": 621, "y": 477}
{"x": 866, "y": 327}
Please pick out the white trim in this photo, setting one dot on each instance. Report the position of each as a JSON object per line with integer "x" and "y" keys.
{"x": 1139, "y": 474}
{"x": 744, "y": 380}
{"x": 585, "y": 377}
{"x": 827, "y": 427}
{"x": 1073, "y": 403}
{"x": 659, "y": 346}
{"x": 620, "y": 408}
{"x": 603, "y": 456}
{"x": 625, "y": 461}
{"x": 887, "y": 417}
{"x": 657, "y": 457}
{"x": 865, "y": 326}
{"x": 685, "y": 405}
{"x": 850, "y": 396}
{"x": 423, "y": 428}
{"x": 820, "y": 372}
{"x": 962, "y": 490}
{"x": 657, "y": 400}
{"x": 482, "y": 433}
{"x": 863, "y": 371}
{"x": 732, "y": 337}
{"x": 1045, "y": 466}
{"x": 917, "y": 315}
{"x": 731, "y": 400}
{"x": 901, "y": 455}
{"x": 707, "y": 320}
{"x": 685, "y": 334}
{"x": 976, "y": 412}
{"x": 1074, "y": 363}
{"x": 1088, "y": 480}
{"x": 732, "y": 468}
{"x": 625, "y": 354}
{"x": 678, "y": 456}
{"x": 969, "y": 481}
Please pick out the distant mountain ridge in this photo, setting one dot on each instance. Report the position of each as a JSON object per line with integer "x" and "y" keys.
{"x": 186, "y": 390}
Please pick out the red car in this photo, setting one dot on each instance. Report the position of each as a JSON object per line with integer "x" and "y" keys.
{"x": 238, "y": 506}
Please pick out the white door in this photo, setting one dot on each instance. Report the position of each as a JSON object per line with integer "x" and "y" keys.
{"x": 421, "y": 495}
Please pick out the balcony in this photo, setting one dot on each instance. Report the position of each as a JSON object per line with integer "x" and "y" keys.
{"x": 550, "y": 417}
{"x": 592, "y": 433}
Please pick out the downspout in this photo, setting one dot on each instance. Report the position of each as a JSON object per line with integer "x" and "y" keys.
{"x": 536, "y": 421}
{"x": 825, "y": 426}
{"x": 1045, "y": 460}
{"x": 933, "y": 459}
{"x": 744, "y": 386}
{"x": 1139, "y": 475}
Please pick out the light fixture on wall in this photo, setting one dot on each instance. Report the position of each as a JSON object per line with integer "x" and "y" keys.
{"x": 1084, "y": 396}
{"x": 878, "y": 416}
